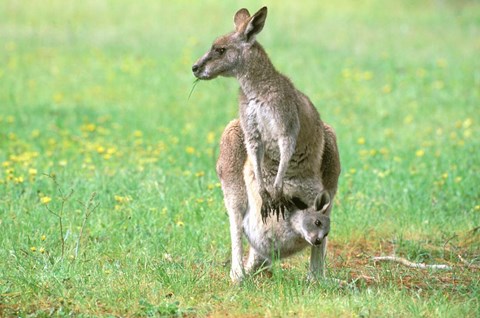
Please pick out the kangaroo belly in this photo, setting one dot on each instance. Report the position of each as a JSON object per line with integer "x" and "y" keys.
{"x": 275, "y": 238}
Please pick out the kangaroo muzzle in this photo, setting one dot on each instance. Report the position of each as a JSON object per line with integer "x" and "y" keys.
{"x": 199, "y": 69}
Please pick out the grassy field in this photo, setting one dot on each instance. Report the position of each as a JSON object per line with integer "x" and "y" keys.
{"x": 109, "y": 201}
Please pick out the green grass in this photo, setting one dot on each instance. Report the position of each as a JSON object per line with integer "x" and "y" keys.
{"x": 94, "y": 100}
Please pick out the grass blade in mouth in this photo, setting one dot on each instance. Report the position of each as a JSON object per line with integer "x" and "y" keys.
{"x": 193, "y": 87}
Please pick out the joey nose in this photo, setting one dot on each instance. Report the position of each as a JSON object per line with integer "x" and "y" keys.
{"x": 318, "y": 241}
{"x": 194, "y": 68}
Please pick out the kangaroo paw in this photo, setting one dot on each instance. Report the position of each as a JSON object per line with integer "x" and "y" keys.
{"x": 280, "y": 206}
{"x": 266, "y": 204}
{"x": 277, "y": 205}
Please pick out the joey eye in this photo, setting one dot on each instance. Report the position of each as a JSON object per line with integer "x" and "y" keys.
{"x": 318, "y": 223}
{"x": 220, "y": 50}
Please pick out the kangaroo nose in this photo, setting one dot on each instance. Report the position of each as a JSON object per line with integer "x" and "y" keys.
{"x": 194, "y": 68}
{"x": 318, "y": 241}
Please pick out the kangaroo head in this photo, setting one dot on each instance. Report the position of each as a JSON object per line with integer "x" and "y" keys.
{"x": 229, "y": 51}
{"x": 313, "y": 223}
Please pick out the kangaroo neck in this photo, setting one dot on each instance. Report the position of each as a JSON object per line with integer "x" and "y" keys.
{"x": 258, "y": 75}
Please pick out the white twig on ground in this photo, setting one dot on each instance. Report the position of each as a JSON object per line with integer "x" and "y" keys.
{"x": 468, "y": 264}
{"x": 407, "y": 263}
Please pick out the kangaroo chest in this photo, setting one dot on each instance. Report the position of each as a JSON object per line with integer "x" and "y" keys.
{"x": 263, "y": 124}
{"x": 265, "y": 118}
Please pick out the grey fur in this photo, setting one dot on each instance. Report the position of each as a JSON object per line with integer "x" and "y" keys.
{"x": 279, "y": 136}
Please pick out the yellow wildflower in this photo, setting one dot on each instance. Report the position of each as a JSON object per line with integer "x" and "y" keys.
{"x": 18, "y": 180}
{"x": 383, "y": 174}
{"x": 346, "y": 73}
{"x": 120, "y": 199}
{"x": 33, "y": 249}
{"x": 45, "y": 200}
{"x": 89, "y": 127}
{"x": 408, "y": 119}
{"x": 361, "y": 141}
{"x": 467, "y": 123}
{"x": 367, "y": 75}
{"x": 190, "y": 150}
{"x": 420, "y": 153}
{"x": 211, "y": 137}
{"x": 58, "y": 97}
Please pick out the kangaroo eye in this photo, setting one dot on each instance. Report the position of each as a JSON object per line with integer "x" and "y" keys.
{"x": 220, "y": 50}
{"x": 318, "y": 223}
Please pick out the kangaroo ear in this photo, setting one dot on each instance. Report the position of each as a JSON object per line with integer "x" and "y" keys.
{"x": 241, "y": 16}
{"x": 254, "y": 25}
{"x": 322, "y": 202}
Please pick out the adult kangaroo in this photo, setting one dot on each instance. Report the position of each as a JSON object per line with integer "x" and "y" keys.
{"x": 280, "y": 136}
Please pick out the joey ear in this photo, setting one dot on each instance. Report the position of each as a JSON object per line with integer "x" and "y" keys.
{"x": 322, "y": 202}
{"x": 254, "y": 25}
{"x": 241, "y": 16}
